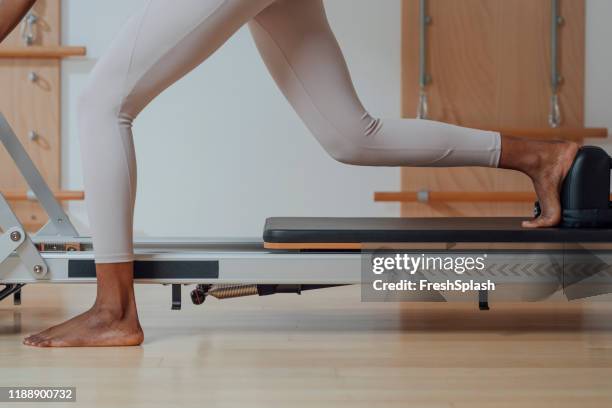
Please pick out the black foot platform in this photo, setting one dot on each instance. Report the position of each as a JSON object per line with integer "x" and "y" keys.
{"x": 351, "y": 233}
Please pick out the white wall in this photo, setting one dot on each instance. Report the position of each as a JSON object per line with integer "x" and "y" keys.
{"x": 221, "y": 150}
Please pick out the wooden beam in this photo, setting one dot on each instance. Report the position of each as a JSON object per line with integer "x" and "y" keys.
{"x": 431, "y": 197}
{"x": 576, "y": 134}
{"x": 59, "y": 195}
{"x": 455, "y": 196}
{"x": 46, "y": 52}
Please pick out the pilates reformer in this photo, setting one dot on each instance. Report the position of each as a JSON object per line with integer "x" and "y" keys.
{"x": 295, "y": 255}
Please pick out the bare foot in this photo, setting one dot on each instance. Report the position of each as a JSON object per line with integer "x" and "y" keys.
{"x": 547, "y": 164}
{"x": 548, "y": 176}
{"x": 94, "y": 328}
{"x": 112, "y": 321}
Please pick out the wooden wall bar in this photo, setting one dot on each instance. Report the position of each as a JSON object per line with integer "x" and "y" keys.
{"x": 490, "y": 66}
{"x": 31, "y": 102}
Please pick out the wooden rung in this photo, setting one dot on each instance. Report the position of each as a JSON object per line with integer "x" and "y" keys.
{"x": 456, "y": 197}
{"x": 59, "y": 195}
{"x": 42, "y": 52}
{"x": 432, "y": 197}
{"x": 565, "y": 133}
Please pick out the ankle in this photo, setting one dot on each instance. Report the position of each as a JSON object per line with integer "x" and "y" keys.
{"x": 548, "y": 155}
{"x": 531, "y": 163}
{"x": 115, "y": 291}
{"x": 115, "y": 309}
{"x": 530, "y": 156}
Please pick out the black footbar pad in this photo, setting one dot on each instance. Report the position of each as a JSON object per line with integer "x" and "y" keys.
{"x": 381, "y": 230}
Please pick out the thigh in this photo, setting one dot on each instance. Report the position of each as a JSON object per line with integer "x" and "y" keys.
{"x": 301, "y": 52}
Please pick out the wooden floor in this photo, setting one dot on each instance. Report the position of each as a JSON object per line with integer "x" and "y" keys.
{"x": 323, "y": 349}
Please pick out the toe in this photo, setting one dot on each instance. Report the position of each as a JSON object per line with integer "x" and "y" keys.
{"x": 30, "y": 339}
{"x": 37, "y": 339}
{"x": 530, "y": 223}
{"x": 40, "y": 343}
{"x": 34, "y": 341}
{"x": 541, "y": 222}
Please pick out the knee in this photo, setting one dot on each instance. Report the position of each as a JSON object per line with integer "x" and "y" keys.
{"x": 101, "y": 103}
{"x": 349, "y": 143}
{"x": 100, "y": 114}
{"x": 96, "y": 100}
{"x": 347, "y": 151}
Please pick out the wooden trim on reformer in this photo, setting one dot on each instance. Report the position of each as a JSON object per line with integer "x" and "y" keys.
{"x": 297, "y": 246}
{"x": 433, "y": 246}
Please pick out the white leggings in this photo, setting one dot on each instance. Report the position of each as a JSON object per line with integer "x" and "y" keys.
{"x": 167, "y": 39}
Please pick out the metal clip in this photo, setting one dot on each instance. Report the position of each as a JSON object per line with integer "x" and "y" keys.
{"x": 424, "y": 77}
{"x": 423, "y": 108}
{"x": 554, "y": 117}
{"x": 28, "y": 32}
{"x": 423, "y": 196}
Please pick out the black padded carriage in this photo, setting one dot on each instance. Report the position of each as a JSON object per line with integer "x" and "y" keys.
{"x": 329, "y": 231}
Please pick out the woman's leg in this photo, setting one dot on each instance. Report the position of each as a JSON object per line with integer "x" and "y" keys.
{"x": 158, "y": 46}
{"x": 303, "y": 56}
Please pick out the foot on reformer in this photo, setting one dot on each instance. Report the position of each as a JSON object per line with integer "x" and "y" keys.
{"x": 548, "y": 176}
{"x": 547, "y": 164}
